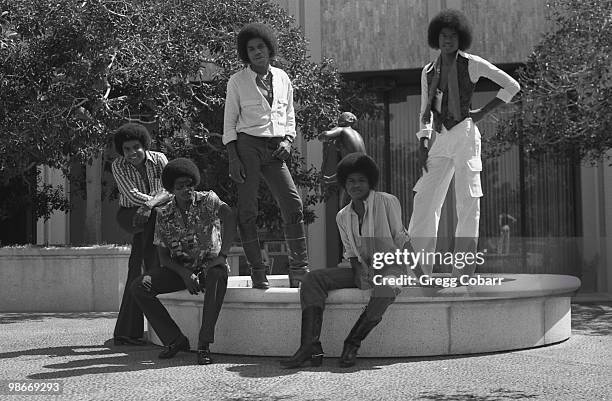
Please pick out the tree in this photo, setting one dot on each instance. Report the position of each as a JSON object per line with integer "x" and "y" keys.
{"x": 565, "y": 104}
{"x": 72, "y": 72}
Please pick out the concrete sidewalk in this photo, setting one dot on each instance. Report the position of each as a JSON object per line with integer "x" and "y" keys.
{"x": 75, "y": 349}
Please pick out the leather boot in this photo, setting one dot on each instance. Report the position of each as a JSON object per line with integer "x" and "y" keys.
{"x": 295, "y": 236}
{"x": 369, "y": 319}
{"x": 252, "y": 252}
{"x": 310, "y": 348}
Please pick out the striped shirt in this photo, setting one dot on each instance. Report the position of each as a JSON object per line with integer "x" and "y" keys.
{"x": 132, "y": 186}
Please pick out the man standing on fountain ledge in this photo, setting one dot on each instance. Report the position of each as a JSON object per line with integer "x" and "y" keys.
{"x": 447, "y": 86}
{"x": 259, "y": 128}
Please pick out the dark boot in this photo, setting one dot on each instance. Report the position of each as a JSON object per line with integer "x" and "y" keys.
{"x": 369, "y": 319}
{"x": 252, "y": 252}
{"x": 295, "y": 235}
{"x": 259, "y": 279}
{"x": 310, "y": 348}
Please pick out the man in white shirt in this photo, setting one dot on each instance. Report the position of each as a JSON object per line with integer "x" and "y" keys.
{"x": 371, "y": 222}
{"x": 259, "y": 128}
{"x": 447, "y": 86}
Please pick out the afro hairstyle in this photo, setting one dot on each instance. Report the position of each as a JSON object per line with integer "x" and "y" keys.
{"x": 453, "y": 19}
{"x": 253, "y": 31}
{"x": 357, "y": 162}
{"x": 178, "y": 168}
{"x": 130, "y": 132}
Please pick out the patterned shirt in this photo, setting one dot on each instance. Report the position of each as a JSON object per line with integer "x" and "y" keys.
{"x": 196, "y": 239}
{"x": 132, "y": 186}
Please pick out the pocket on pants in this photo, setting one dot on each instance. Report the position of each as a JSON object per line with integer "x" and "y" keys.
{"x": 473, "y": 177}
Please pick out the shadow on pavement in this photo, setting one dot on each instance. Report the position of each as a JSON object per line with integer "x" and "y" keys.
{"x": 96, "y": 359}
{"x": 592, "y": 319}
{"x": 262, "y": 367}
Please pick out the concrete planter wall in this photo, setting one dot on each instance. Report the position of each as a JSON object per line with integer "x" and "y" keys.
{"x": 83, "y": 279}
{"x": 68, "y": 279}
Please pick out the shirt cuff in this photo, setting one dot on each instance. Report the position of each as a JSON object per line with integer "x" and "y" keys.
{"x": 505, "y": 95}
{"x": 424, "y": 133}
{"x": 348, "y": 255}
{"x": 229, "y": 137}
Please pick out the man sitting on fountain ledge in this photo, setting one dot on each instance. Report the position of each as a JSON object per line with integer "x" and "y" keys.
{"x": 370, "y": 223}
{"x": 193, "y": 256}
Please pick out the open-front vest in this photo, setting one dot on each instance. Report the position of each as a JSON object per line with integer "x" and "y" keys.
{"x": 466, "y": 89}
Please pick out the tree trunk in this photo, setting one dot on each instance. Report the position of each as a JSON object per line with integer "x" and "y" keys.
{"x": 93, "y": 206}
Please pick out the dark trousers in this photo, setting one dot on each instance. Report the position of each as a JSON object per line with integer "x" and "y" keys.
{"x": 164, "y": 281}
{"x": 130, "y": 320}
{"x": 256, "y": 156}
{"x": 317, "y": 284}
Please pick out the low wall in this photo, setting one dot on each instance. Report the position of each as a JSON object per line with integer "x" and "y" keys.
{"x": 526, "y": 310}
{"x": 78, "y": 279}
{"x": 68, "y": 279}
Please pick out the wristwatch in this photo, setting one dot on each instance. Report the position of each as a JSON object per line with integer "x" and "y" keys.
{"x": 288, "y": 138}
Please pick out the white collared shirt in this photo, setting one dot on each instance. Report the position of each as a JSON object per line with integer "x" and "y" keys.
{"x": 248, "y": 111}
{"x": 382, "y": 221}
{"x": 477, "y": 68}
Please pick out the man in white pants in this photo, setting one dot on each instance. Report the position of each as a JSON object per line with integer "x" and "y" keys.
{"x": 447, "y": 86}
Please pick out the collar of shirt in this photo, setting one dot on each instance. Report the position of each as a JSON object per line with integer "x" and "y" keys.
{"x": 253, "y": 74}
{"x": 148, "y": 158}
{"x": 368, "y": 223}
{"x": 459, "y": 53}
{"x": 198, "y": 196}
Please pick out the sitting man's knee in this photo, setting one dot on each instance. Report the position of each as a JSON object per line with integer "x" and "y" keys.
{"x": 217, "y": 272}
{"x": 384, "y": 291}
{"x": 136, "y": 287}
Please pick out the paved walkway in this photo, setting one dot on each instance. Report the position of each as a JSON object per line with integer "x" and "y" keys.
{"x": 75, "y": 349}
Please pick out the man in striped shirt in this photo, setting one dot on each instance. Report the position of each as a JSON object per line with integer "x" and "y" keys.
{"x": 137, "y": 172}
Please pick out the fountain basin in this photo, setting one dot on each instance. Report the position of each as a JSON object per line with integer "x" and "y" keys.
{"x": 523, "y": 311}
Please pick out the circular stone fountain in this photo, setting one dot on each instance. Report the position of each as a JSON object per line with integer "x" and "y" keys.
{"x": 525, "y": 310}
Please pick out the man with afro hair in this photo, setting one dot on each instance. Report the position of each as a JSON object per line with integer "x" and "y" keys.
{"x": 193, "y": 254}
{"x": 447, "y": 86}
{"x": 370, "y": 223}
{"x": 137, "y": 172}
{"x": 259, "y": 128}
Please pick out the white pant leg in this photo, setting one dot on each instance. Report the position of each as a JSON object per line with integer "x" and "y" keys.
{"x": 430, "y": 191}
{"x": 468, "y": 191}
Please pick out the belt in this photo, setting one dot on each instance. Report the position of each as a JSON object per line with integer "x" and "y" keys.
{"x": 264, "y": 138}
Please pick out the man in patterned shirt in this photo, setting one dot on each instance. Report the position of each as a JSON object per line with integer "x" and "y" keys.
{"x": 137, "y": 172}
{"x": 193, "y": 255}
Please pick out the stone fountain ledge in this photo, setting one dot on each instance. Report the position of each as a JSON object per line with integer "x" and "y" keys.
{"x": 524, "y": 311}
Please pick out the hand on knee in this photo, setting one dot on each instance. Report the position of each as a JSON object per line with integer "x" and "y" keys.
{"x": 146, "y": 282}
